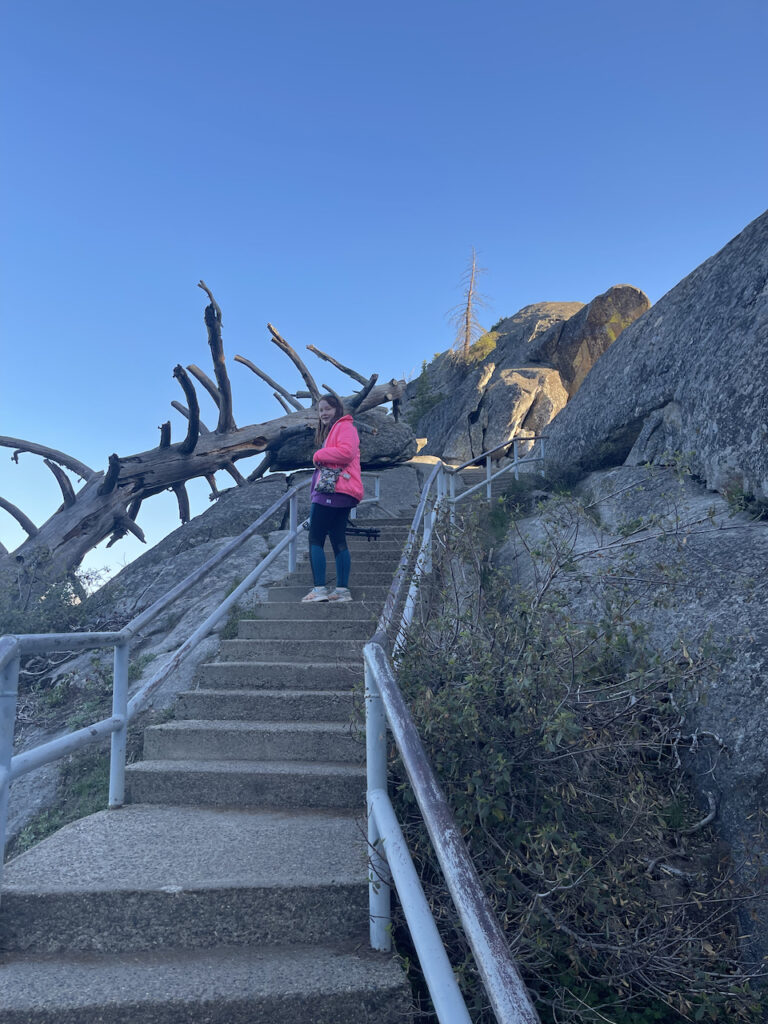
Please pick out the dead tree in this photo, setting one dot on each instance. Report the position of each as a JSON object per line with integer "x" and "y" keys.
{"x": 108, "y": 503}
{"x": 464, "y": 315}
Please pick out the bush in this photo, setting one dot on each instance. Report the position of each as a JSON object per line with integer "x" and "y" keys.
{"x": 559, "y": 745}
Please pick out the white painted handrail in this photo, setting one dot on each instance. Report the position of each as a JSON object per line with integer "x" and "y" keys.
{"x": 385, "y": 704}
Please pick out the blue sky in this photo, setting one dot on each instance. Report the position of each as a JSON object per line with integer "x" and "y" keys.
{"x": 328, "y": 168}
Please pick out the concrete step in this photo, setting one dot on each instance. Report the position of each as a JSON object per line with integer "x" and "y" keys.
{"x": 323, "y": 612}
{"x": 310, "y": 628}
{"x": 326, "y": 651}
{"x": 290, "y": 985}
{"x": 266, "y": 705}
{"x": 279, "y": 675}
{"x": 253, "y": 741}
{"x": 146, "y": 877}
{"x": 278, "y": 785}
{"x": 370, "y": 597}
{"x": 303, "y": 577}
{"x": 389, "y": 547}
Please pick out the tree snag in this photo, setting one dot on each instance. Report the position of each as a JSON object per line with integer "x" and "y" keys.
{"x": 107, "y": 504}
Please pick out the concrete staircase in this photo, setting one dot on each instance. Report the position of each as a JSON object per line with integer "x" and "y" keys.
{"x": 232, "y": 889}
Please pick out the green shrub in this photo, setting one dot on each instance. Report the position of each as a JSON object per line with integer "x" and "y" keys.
{"x": 558, "y": 743}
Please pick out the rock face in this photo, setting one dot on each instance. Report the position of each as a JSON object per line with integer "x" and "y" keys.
{"x": 519, "y": 376}
{"x": 688, "y": 377}
{"x": 690, "y": 570}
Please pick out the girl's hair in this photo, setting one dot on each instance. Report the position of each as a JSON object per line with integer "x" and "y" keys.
{"x": 337, "y": 405}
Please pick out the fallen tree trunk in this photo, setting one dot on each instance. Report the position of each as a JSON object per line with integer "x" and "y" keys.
{"x": 108, "y": 503}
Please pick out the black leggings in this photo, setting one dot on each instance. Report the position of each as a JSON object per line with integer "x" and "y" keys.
{"x": 327, "y": 521}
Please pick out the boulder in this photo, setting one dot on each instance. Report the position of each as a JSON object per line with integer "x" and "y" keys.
{"x": 518, "y": 376}
{"x": 573, "y": 347}
{"x": 384, "y": 441}
{"x": 686, "y": 382}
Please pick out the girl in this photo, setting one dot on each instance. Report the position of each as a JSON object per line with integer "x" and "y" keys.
{"x": 339, "y": 449}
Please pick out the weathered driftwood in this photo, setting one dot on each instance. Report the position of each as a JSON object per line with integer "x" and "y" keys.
{"x": 108, "y": 503}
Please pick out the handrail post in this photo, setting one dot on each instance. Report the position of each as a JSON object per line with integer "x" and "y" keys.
{"x": 488, "y": 485}
{"x": 516, "y": 457}
{"x": 542, "y": 456}
{"x": 293, "y": 524}
{"x": 9, "y": 692}
{"x": 376, "y": 759}
{"x": 452, "y": 496}
{"x": 119, "y": 736}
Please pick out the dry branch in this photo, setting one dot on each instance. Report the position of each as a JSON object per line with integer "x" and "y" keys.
{"x": 187, "y": 446}
{"x": 298, "y": 363}
{"x": 272, "y": 383}
{"x": 213, "y": 319}
{"x": 63, "y": 481}
{"x": 234, "y": 472}
{"x": 262, "y": 467}
{"x": 339, "y": 366}
{"x": 185, "y": 413}
{"x": 183, "y": 499}
{"x": 109, "y": 483}
{"x": 282, "y": 401}
{"x": 24, "y": 521}
{"x": 165, "y": 434}
{"x": 83, "y": 471}
{"x": 361, "y": 396}
{"x": 207, "y": 383}
{"x": 125, "y": 525}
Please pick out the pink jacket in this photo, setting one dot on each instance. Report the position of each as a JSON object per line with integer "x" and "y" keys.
{"x": 342, "y": 451}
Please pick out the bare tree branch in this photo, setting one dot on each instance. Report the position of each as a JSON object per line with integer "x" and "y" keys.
{"x": 298, "y": 363}
{"x": 361, "y": 396}
{"x": 282, "y": 401}
{"x": 272, "y": 383}
{"x": 165, "y": 434}
{"x": 215, "y": 492}
{"x": 207, "y": 383}
{"x": 213, "y": 324}
{"x": 185, "y": 413}
{"x": 339, "y": 366}
{"x": 262, "y": 467}
{"x": 183, "y": 499}
{"x": 24, "y": 521}
{"x": 706, "y": 820}
{"x": 125, "y": 525}
{"x": 109, "y": 483}
{"x": 331, "y": 391}
{"x": 63, "y": 481}
{"x": 234, "y": 472}
{"x": 133, "y": 508}
{"x": 83, "y": 471}
{"x": 187, "y": 446}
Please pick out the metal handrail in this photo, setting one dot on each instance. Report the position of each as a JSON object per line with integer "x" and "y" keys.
{"x": 492, "y": 451}
{"x": 12, "y": 648}
{"x": 384, "y": 704}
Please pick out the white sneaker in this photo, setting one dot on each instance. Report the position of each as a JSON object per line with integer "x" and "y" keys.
{"x": 316, "y": 594}
{"x": 340, "y": 594}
